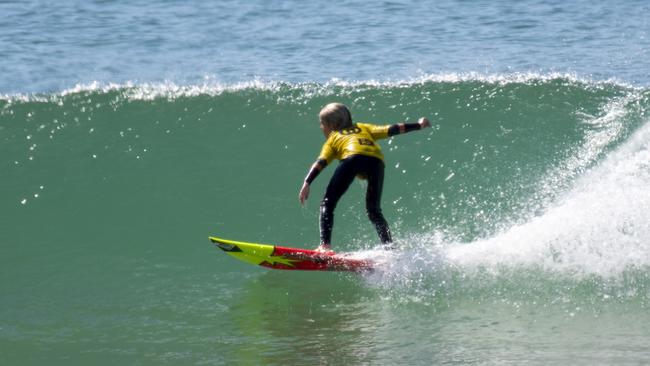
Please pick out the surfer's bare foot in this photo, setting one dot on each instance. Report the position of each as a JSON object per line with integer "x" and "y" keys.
{"x": 324, "y": 248}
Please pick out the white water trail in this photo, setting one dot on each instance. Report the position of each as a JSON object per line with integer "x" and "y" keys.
{"x": 600, "y": 227}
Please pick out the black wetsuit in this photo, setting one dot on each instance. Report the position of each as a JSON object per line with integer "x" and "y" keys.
{"x": 372, "y": 169}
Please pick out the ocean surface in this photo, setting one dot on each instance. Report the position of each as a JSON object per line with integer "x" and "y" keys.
{"x": 130, "y": 131}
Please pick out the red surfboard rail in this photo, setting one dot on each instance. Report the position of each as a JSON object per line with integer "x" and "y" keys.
{"x": 285, "y": 258}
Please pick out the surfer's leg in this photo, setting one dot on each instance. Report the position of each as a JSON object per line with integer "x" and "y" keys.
{"x": 373, "y": 199}
{"x": 340, "y": 182}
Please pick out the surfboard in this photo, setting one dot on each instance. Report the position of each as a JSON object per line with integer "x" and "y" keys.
{"x": 285, "y": 258}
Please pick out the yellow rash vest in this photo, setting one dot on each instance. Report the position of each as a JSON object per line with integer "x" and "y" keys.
{"x": 356, "y": 140}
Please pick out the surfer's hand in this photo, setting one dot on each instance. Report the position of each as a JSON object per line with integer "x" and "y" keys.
{"x": 304, "y": 193}
{"x": 424, "y": 123}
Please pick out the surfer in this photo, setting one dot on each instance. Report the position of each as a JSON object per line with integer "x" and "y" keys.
{"x": 354, "y": 145}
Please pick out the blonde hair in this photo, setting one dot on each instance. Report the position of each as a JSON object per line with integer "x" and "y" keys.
{"x": 335, "y": 116}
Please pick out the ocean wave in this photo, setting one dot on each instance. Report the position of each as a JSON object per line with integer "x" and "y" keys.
{"x": 512, "y": 171}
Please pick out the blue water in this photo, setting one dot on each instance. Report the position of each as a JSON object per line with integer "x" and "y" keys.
{"x": 130, "y": 131}
{"x": 49, "y": 46}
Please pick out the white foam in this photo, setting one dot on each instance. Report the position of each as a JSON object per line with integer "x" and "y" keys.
{"x": 134, "y": 90}
{"x": 600, "y": 227}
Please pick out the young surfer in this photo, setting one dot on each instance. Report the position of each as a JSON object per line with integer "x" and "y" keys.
{"x": 354, "y": 144}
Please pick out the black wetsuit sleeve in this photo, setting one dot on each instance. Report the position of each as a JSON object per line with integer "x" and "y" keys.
{"x": 400, "y": 128}
{"x": 315, "y": 170}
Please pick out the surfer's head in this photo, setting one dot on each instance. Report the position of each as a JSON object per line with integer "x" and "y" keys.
{"x": 334, "y": 117}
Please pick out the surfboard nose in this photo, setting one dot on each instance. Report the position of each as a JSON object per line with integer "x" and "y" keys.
{"x": 226, "y": 247}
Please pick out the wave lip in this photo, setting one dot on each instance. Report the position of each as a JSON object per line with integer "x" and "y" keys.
{"x": 134, "y": 90}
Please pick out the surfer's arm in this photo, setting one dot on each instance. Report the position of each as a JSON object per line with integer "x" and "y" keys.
{"x": 400, "y": 128}
{"x": 316, "y": 168}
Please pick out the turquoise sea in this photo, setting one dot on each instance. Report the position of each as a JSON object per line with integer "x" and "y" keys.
{"x": 130, "y": 131}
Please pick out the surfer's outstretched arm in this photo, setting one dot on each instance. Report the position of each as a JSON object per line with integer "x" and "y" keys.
{"x": 400, "y": 128}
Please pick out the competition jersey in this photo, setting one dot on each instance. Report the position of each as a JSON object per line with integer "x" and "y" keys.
{"x": 356, "y": 140}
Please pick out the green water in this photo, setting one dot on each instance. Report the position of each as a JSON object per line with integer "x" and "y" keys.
{"x": 523, "y": 213}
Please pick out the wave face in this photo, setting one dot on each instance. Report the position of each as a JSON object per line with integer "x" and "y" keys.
{"x": 529, "y": 190}
{"x": 508, "y": 158}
